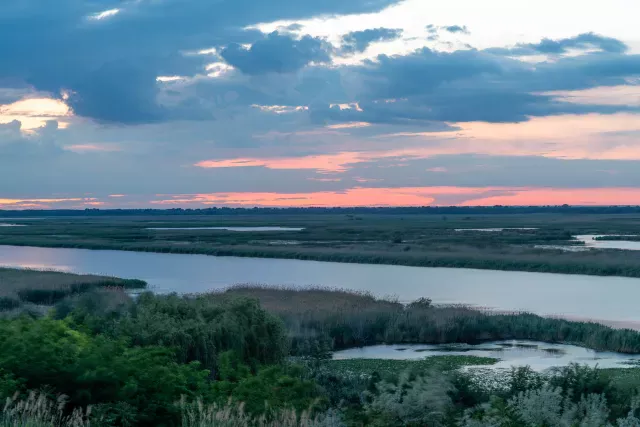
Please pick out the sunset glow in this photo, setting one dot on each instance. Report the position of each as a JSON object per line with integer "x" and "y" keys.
{"x": 418, "y": 196}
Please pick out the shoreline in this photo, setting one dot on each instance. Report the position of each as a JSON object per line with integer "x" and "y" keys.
{"x": 368, "y": 259}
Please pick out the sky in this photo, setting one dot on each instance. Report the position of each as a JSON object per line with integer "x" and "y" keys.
{"x": 194, "y": 103}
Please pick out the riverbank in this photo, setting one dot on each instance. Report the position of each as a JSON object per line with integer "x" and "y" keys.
{"x": 586, "y": 298}
{"x": 24, "y": 286}
{"x": 538, "y": 261}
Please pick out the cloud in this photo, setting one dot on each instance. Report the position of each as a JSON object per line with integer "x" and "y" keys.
{"x": 149, "y": 38}
{"x": 275, "y": 113}
{"x": 584, "y": 41}
{"x": 457, "y": 29}
{"x": 277, "y": 53}
{"x": 425, "y": 69}
{"x": 359, "y": 41}
{"x": 15, "y": 145}
{"x": 469, "y": 85}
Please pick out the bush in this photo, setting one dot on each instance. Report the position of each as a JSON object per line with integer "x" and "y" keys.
{"x": 91, "y": 370}
{"x": 423, "y": 400}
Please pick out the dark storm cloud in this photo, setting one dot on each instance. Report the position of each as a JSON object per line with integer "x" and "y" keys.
{"x": 359, "y": 41}
{"x": 277, "y": 53}
{"x": 109, "y": 66}
{"x": 473, "y": 85}
{"x": 424, "y": 70}
{"x": 54, "y": 46}
{"x": 557, "y": 47}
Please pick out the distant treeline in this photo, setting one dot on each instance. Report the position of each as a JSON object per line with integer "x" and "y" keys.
{"x": 423, "y": 210}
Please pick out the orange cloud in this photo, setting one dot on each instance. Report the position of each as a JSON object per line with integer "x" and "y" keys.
{"x": 325, "y": 162}
{"x": 589, "y": 136}
{"x": 351, "y": 197}
{"x": 51, "y": 203}
{"x": 9, "y": 202}
{"x": 595, "y": 137}
{"x": 338, "y": 162}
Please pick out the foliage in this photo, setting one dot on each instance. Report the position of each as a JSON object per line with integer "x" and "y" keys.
{"x": 220, "y": 360}
{"x": 546, "y": 406}
{"x": 274, "y": 387}
{"x": 198, "y": 328}
{"x": 94, "y": 369}
{"x": 423, "y": 400}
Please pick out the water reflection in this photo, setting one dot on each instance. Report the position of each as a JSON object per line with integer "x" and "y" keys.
{"x": 539, "y": 355}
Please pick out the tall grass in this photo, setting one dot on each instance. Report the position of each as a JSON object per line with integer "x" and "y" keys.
{"x": 341, "y": 319}
{"x": 38, "y": 410}
{"x": 197, "y": 414}
{"x": 47, "y": 287}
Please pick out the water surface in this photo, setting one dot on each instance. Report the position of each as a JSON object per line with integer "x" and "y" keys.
{"x": 494, "y": 229}
{"x": 611, "y": 300}
{"x": 538, "y": 355}
{"x": 590, "y": 242}
{"x": 11, "y": 225}
{"x": 229, "y": 228}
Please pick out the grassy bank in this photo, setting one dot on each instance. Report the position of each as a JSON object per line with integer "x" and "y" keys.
{"x": 396, "y": 239}
{"x": 18, "y": 286}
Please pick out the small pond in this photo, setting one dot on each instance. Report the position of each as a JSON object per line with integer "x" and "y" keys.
{"x": 248, "y": 229}
{"x": 538, "y": 355}
{"x": 591, "y": 242}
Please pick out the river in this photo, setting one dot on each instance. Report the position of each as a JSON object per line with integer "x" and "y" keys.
{"x": 610, "y": 300}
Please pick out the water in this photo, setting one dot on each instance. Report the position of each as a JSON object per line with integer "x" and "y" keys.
{"x": 11, "y": 225}
{"x": 538, "y": 355}
{"x": 610, "y": 300}
{"x": 565, "y": 248}
{"x": 493, "y": 229}
{"x": 590, "y": 242}
{"x": 230, "y": 228}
